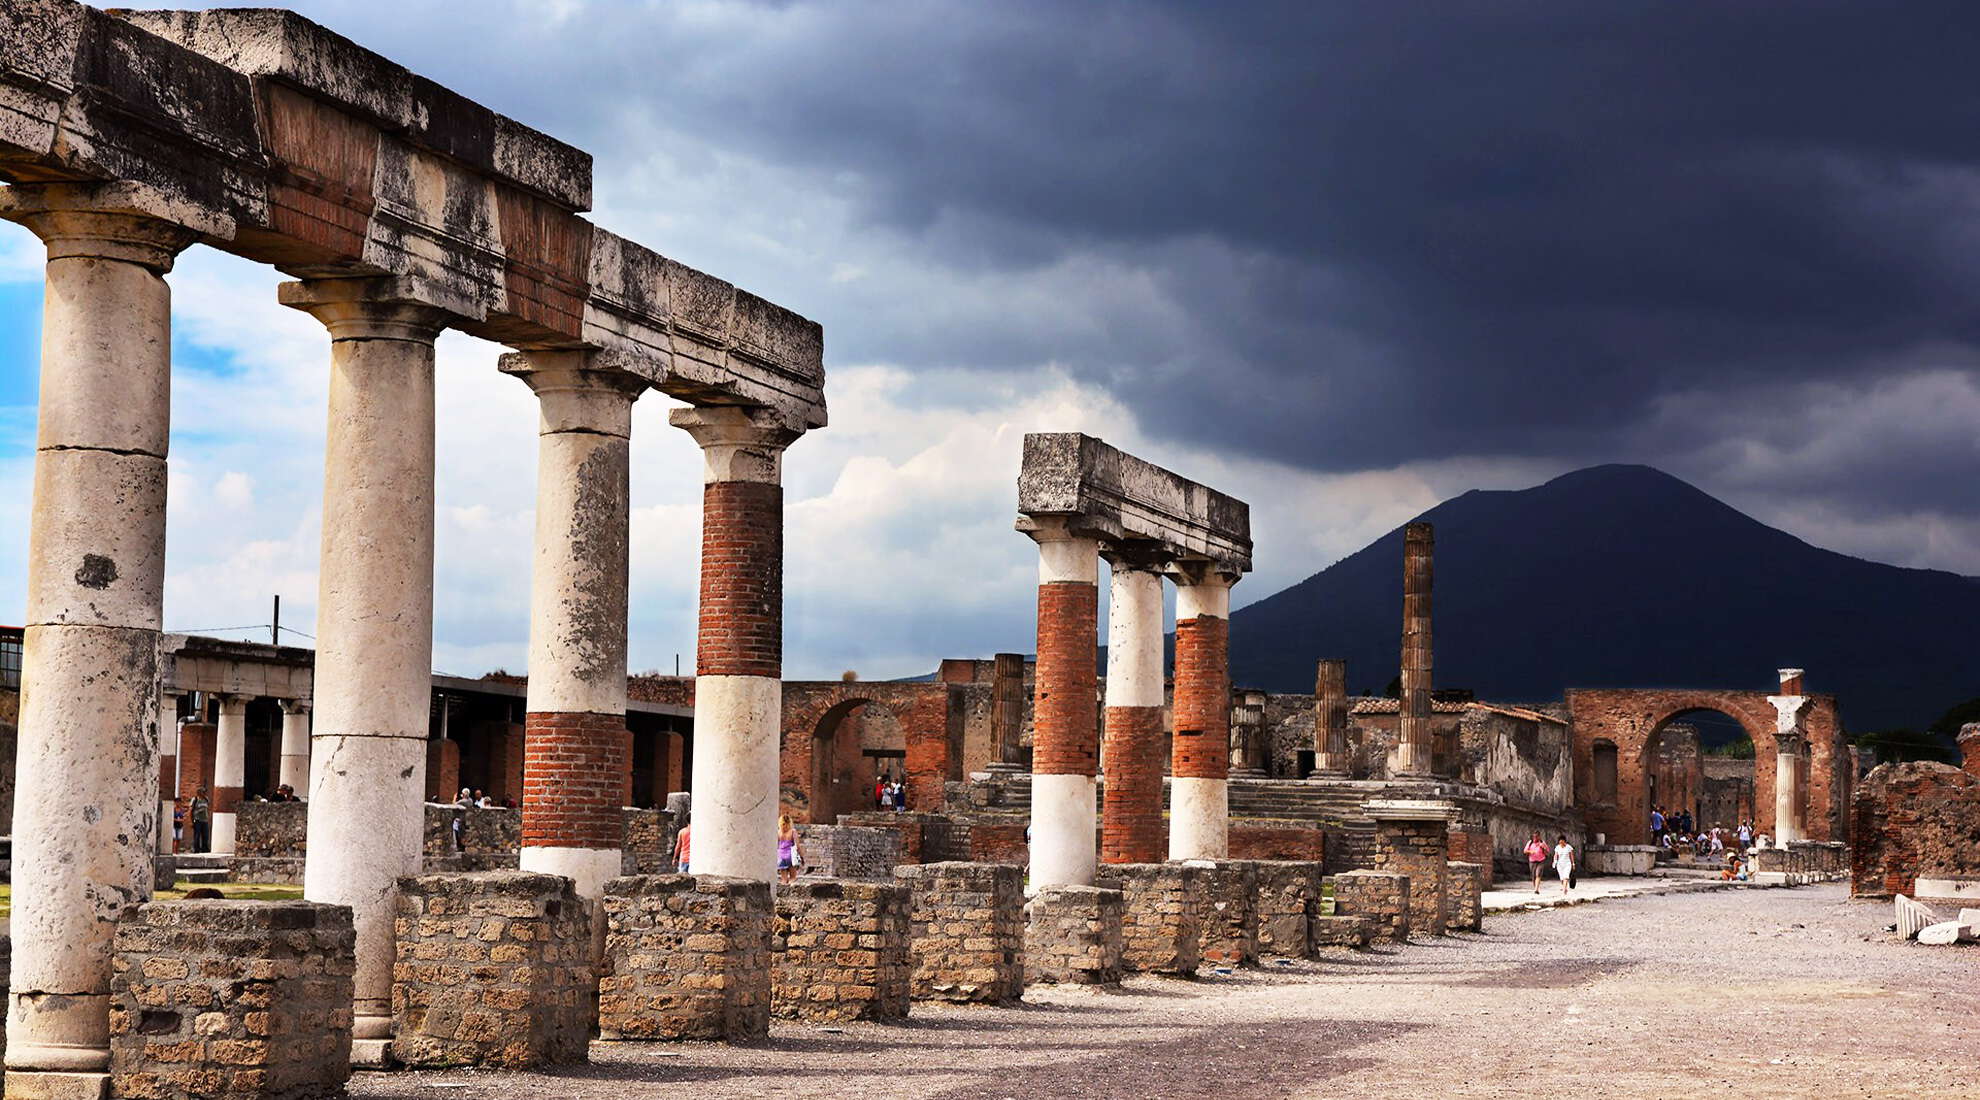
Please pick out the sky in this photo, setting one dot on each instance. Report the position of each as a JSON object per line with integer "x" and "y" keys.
{"x": 1341, "y": 260}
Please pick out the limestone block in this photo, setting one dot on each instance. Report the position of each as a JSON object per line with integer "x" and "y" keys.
{"x": 840, "y": 950}
{"x": 1287, "y": 900}
{"x": 1161, "y": 925}
{"x": 1341, "y": 931}
{"x": 686, "y": 957}
{"x": 968, "y": 931}
{"x": 1379, "y": 896}
{"x": 1947, "y": 932}
{"x": 1073, "y": 935}
{"x": 1912, "y": 917}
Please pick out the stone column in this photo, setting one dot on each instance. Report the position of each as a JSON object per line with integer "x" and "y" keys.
{"x": 1413, "y": 750}
{"x": 1064, "y": 748}
{"x": 229, "y": 770}
{"x": 1330, "y": 720}
{"x": 168, "y": 766}
{"x": 576, "y": 764}
{"x": 86, "y": 759}
{"x": 1248, "y": 753}
{"x": 1790, "y": 742}
{"x": 295, "y": 746}
{"x": 1199, "y": 758}
{"x": 739, "y": 649}
{"x": 374, "y": 646}
{"x": 1007, "y": 713}
{"x": 1131, "y": 751}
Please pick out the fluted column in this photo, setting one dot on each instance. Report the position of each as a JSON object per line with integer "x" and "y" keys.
{"x": 374, "y": 635}
{"x": 1413, "y": 741}
{"x": 1330, "y": 719}
{"x": 294, "y": 772}
{"x": 1007, "y": 713}
{"x": 1131, "y": 750}
{"x": 575, "y": 759}
{"x": 87, "y": 754}
{"x": 1064, "y": 741}
{"x": 229, "y": 770}
{"x": 739, "y": 648}
{"x": 1199, "y": 761}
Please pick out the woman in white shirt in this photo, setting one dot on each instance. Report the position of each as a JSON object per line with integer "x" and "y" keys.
{"x": 1564, "y": 863}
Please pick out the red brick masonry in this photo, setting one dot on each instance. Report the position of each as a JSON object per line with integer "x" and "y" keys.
{"x": 1064, "y": 739}
{"x": 574, "y": 771}
{"x": 1203, "y": 694}
{"x": 742, "y": 580}
{"x": 1131, "y": 829}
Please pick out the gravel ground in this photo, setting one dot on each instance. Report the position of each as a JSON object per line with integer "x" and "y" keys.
{"x": 1749, "y": 993}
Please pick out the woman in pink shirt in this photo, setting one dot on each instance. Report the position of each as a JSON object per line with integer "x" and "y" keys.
{"x": 1536, "y": 858}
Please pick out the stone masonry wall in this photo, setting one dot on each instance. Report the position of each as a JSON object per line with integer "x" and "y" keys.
{"x": 840, "y": 950}
{"x": 493, "y": 969}
{"x": 849, "y": 851}
{"x": 232, "y": 999}
{"x": 1341, "y": 931}
{"x": 1417, "y": 849}
{"x": 1161, "y": 916}
{"x": 1073, "y": 935}
{"x": 1378, "y": 896}
{"x": 1464, "y": 898}
{"x": 686, "y": 957}
{"x": 968, "y": 931}
{"x": 1289, "y": 895}
{"x": 1294, "y": 840}
{"x": 1229, "y": 912}
{"x": 1913, "y": 820}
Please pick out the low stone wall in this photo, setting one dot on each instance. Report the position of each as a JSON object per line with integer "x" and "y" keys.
{"x": 1341, "y": 931}
{"x": 1417, "y": 848}
{"x": 232, "y": 999}
{"x": 1072, "y": 935}
{"x": 1000, "y": 841}
{"x": 850, "y": 851}
{"x": 1380, "y": 897}
{"x": 1618, "y": 859}
{"x": 686, "y": 957}
{"x": 1229, "y": 912}
{"x": 968, "y": 931}
{"x": 1464, "y": 901}
{"x": 270, "y": 830}
{"x": 1277, "y": 840}
{"x": 649, "y": 843}
{"x": 1289, "y": 896}
{"x": 1161, "y": 921}
{"x": 1911, "y": 821}
{"x": 839, "y": 951}
{"x": 925, "y": 838}
{"x": 492, "y": 969}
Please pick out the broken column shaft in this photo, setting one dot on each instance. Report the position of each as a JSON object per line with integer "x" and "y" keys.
{"x": 1330, "y": 719}
{"x": 1413, "y": 751}
{"x": 1199, "y": 792}
{"x": 1131, "y": 751}
{"x": 1064, "y": 749}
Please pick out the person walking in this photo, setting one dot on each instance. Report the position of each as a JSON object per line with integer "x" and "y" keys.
{"x": 681, "y": 851}
{"x": 1564, "y": 863}
{"x": 1536, "y": 858}
{"x": 1745, "y": 835}
{"x": 789, "y": 856}
{"x": 886, "y": 795}
{"x": 202, "y": 821}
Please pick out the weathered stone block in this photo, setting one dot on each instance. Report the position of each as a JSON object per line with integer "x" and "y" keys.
{"x": 968, "y": 931}
{"x": 1341, "y": 931}
{"x": 1229, "y": 912}
{"x": 839, "y": 950}
{"x": 686, "y": 957}
{"x": 1288, "y": 898}
{"x": 1464, "y": 897}
{"x": 1161, "y": 916}
{"x": 1379, "y": 896}
{"x": 1073, "y": 935}
{"x": 493, "y": 969}
{"x": 1416, "y": 846}
{"x": 232, "y": 999}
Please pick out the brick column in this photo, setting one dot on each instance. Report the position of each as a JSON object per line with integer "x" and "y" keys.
{"x": 575, "y": 760}
{"x": 1131, "y": 753}
{"x": 374, "y": 649}
{"x": 1413, "y": 749}
{"x": 1330, "y": 719}
{"x": 1412, "y": 837}
{"x": 1199, "y": 795}
{"x": 229, "y": 770}
{"x": 1791, "y": 743}
{"x": 739, "y": 651}
{"x": 295, "y": 746}
{"x": 1064, "y": 749}
{"x": 1969, "y": 747}
{"x": 87, "y": 755}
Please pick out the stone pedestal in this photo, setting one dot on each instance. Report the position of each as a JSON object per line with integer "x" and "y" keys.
{"x": 1412, "y": 838}
{"x": 1229, "y": 911}
{"x": 968, "y": 931}
{"x": 686, "y": 957}
{"x": 493, "y": 969}
{"x": 1072, "y": 935}
{"x": 1377, "y": 896}
{"x": 1288, "y": 898}
{"x": 839, "y": 951}
{"x": 1464, "y": 891}
{"x": 1161, "y": 916}
{"x": 231, "y": 999}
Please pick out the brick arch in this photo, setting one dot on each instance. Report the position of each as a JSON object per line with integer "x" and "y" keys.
{"x": 930, "y": 717}
{"x": 1634, "y": 718}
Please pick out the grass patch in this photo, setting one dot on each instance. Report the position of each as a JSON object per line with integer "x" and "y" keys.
{"x": 235, "y": 891}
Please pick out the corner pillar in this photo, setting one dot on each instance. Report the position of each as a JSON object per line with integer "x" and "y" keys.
{"x": 739, "y": 647}
{"x": 1065, "y": 751}
{"x": 229, "y": 770}
{"x": 1131, "y": 750}
{"x": 1199, "y": 792}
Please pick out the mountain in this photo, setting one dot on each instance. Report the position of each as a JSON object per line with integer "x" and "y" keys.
{"x": 1623, "y": 576}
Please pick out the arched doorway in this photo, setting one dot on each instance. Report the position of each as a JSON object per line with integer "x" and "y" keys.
{"x": 854, "y": 742}
{"x": 1700, "y": 761}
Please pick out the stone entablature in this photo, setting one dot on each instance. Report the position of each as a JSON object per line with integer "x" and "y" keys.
{"x": 1110, "y": 495}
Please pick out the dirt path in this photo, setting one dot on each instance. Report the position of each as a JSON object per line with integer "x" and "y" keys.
{"x": 1751, "y": 993}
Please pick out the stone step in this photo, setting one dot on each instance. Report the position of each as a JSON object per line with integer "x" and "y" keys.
{"x": 204, "y": 874}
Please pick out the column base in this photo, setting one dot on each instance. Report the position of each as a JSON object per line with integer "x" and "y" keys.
{"x": 1161, "y": 922}
{"x": 370, "y": 1054}
{"x": 1289, "y": 895}
{"x": 25, "y": 1084}
{"x": 687, "y": 957}
{"x": 1072, "y": 936}
{"x": 959, "y": 953}
{"x": 1464, "y": 887}
{"x": 841, "y": 951}
{"x": 1230, "y": 906}
{"x": 1380, "y": 898}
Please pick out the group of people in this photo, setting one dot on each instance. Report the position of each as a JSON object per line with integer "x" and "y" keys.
{"x": 889, "y": 794}
{"x": 476, "y": 799}
{"x": 790, "y": 853}
{"x": 196, "y": 814}
{"x": 1562, "y": 855}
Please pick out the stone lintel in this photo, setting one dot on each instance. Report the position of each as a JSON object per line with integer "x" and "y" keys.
{"x": 1409, "y": 809}
{"x": 1104, "y": 493}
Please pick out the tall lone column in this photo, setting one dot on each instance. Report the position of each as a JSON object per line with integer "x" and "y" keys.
{"x": 1789, "y": 744}
{"x": 1131, "y": 750}
{"x": 1064, "y": 741}
{"x": 374, "y": 634}
{"x": 1007, "y": 713}
{"x": 739, "y": 649}
{"x": 229, "y": 770}
{"x": 575, "y": 758}
{"x": 1413, "y": 754}
{"x": 1330, "y": 719}
{"x": 294, "y": 772}
{"x": 1199, "y": 759}
{"x": 86, "y": 759}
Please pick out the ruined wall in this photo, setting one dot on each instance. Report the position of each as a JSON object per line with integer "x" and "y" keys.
{"x": 1530, "y": 763}
{"x": 1913, "y": 820}
{"x": 1727, "y": 798}
{"x": 931, "y": 731}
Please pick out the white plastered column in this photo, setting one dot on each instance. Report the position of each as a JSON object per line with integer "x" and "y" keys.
{"x": 578, "y": 576}
{"x": 1790, "y": 743}
{"x": 229, "y": 770}
{"x": 295, "y": 746}
{"x": 168, "y": 767}
{"x": 1064, "y": 805}
{"x": 1199, "y": 806}
{"x": 87, "y": 755}
{"x": 374, "y": 651}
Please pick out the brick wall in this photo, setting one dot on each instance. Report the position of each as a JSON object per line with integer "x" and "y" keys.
{"x": 849, "y": 851}
{"x": 1464, "y": 888}
{"x": 839, "y": 950}
{"x": 648, "y": 844}
{"x": 968, "y": 931}
{"x": 1289, "y": 896}
{"x": 686, "y": 957}
{"x": 1161, "y": 916}
{"x": 1230, "y": 912}
{"x": 271, "y": 830}
{"x": 1380, "y": 897}
{"x": 574, "y": 780}
{"x": 1202, "y": 698}
{"x": 443, "y": 769}
{"x": 195, "y": 764}
{"x": 1295, "y": 840}
{"x": 1913, "y": 820}
{"x": 1132, "y": 828}
{"x": 1065, "y": 736}
{"x": 231, "y": 998}
{"x": 1072, "y": 935}
{"x": 999, "y": 842}
{"x": 742, "y": 580}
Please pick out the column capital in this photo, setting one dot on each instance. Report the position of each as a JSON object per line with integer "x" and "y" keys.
{"x": 230, "y": 702}
{"x": 117, "y": 220}
{"x": 382, "y": 308}
{"x": 1135, "y": 556}
{"x": 1199, "y": 572}
{"x": 294, "y": 706}
{"x": 578, "y": 389}
{"x": 738, "y": 442}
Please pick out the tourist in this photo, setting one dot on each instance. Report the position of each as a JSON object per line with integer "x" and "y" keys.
{"x": 681, "y": 850}
{"x": 1745, "y": 835}
{"x": 202, "y": 822}
{"x": 879, "y": 792}
{"x": 1684, "y": 821}
{"x": 1564, "y": 863}
{"x": 178, "y": 825}
{"x": 900, "y": 797}
{"x": 1536, "y": 858}
{"x": 789, "y": 856}
{"x": 886, "y": 795}
{"x": 465, "y": 800}
{"x": 1657, "y": 823}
